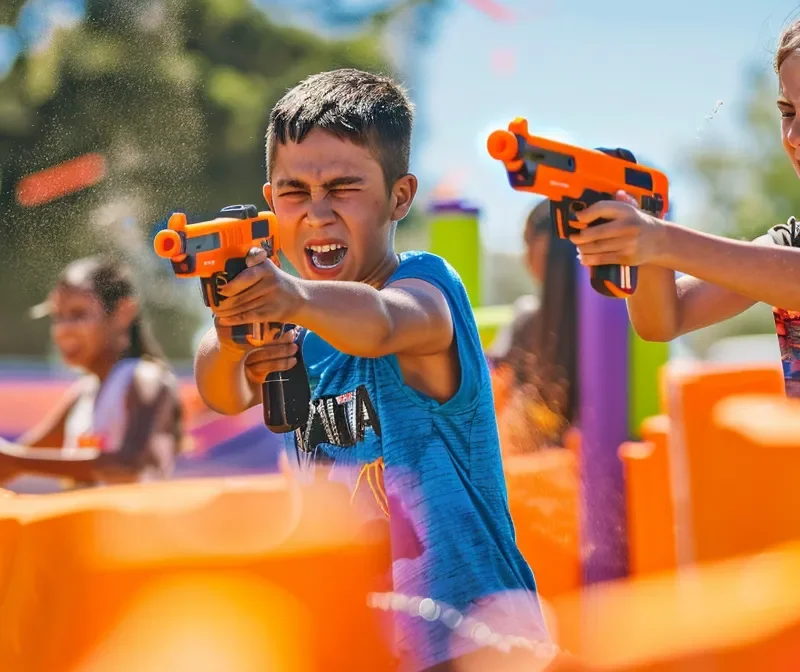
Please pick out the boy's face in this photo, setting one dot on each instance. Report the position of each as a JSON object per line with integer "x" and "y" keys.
{"x": 334, "y": 212}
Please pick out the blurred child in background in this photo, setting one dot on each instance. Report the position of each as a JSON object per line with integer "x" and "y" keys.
{"x": 121, "y": 421}
{"x": 534, "y": 357}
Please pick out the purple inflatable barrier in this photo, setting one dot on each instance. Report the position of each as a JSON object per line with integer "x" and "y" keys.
{"x": 603, "y": 420}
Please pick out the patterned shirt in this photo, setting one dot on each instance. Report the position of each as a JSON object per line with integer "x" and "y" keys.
{"x": 787, "y": 322}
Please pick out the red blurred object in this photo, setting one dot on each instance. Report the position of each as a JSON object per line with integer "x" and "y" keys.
{"x": 60, "y": 180}
{"x": 494, "y": 9}
{"x": 504, "y": 62}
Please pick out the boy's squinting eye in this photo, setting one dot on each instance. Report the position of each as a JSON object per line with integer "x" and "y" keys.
{"x": 786, "y": 109}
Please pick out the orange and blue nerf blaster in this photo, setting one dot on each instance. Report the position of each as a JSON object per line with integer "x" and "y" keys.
{"x": 573, "y": 178}
{"x": 216, "y": 252}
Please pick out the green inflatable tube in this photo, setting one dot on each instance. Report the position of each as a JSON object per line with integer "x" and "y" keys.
{"x": 646, "y": 359}
{"x": 454, "y": 232}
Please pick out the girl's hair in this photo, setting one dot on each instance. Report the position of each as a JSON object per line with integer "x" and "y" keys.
{"x": 555, "y": 332}
{"x": 538, "y": 222}
{"x": 788, "y": 42}
{"x": 111, "y": 281}
{"x": 545, "y": 362}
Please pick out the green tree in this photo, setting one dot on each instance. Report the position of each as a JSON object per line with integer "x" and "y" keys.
{"x": 176, "y": 95}
{"x": 748, "y": 188}
{"x": 753, "y": 186}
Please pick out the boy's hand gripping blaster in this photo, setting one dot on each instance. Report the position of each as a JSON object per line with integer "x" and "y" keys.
{"x": 574, "y": 178}
{"x": 216, "y": 252}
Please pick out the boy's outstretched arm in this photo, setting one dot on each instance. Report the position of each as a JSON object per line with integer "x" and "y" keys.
{"x": 409, "y": 317}
{"x": 224, "y": 383}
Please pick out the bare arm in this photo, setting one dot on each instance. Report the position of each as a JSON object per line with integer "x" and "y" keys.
{"x": 49, "y": 433}
{"x": 408, "y": 317}
{"x": 734, "y": 277}
{"x": 728, "y": 276}
{"x": 220, "y": 376}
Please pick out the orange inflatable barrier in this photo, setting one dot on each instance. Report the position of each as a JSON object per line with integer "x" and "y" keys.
{"x": 648, "y": 492}
{"x": 240, "y": 574}
{"x": 757, "y": 443}
{"x": 543, "y": 499}
{"x": 739, "y": 615}
{"x": 697, "y": 457}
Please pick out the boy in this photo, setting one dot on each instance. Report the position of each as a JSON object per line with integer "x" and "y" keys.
{"x": 401, "y": 400}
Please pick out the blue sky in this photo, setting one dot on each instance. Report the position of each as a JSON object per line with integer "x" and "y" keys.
{"x": 613, "y": 73}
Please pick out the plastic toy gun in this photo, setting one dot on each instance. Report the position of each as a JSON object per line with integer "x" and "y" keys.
{"x": 573, "y": 178}
{"x": 216, "y": 252}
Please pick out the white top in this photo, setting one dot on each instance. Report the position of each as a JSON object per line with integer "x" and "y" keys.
{"x": 99, "y": 416}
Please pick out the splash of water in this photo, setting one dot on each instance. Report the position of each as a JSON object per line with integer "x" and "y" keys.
{"x": 708, "y": 118}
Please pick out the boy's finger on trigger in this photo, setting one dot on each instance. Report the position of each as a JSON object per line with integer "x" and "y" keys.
{"x": 234, "y": 320}
{"x": 255, "y": 256}
{"x": 246, "y": 279}
{"x": 271, "y": 352}
{"x": 247, "y": 300}
{"x": 259, "y": 371}
{"x": 286, "y": 337}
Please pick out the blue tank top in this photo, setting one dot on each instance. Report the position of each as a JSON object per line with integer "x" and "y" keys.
{"x": 434, "y": 471}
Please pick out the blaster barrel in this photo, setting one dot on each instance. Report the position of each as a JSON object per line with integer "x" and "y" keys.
{"x": 503, "y": 146}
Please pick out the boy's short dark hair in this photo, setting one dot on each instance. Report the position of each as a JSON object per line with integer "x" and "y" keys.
{"x": 367, "y": 109}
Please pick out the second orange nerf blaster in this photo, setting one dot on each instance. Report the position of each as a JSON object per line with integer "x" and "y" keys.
{"x": 573, "y": 178}
{"x": 215, "y": 251}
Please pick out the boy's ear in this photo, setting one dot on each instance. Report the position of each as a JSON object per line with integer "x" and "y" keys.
{"x": 403, "y": 193}
{"x": 267, "y": 191}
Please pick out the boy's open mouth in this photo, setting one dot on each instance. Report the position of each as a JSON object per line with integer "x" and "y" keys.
{"x": 326, "y": 257}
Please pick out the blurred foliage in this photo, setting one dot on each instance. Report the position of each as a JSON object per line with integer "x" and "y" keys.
{"x": 748, "y": 189}
{"x": 176, "y": 94}
{"x": 754, "y": 186}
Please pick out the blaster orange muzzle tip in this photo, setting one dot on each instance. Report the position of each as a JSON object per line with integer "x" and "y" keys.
{"x": 167, "y": 244}
{"x": 502, "y": 146}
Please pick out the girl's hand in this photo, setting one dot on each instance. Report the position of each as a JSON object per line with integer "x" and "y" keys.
{"x": 631, "y": 237}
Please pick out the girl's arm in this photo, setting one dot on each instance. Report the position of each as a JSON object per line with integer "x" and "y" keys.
{"x": 663, "y": 308}
{"x": 728, "y": 276}
{"x": 760, "y": 270}
{"x": 49, "y": 433}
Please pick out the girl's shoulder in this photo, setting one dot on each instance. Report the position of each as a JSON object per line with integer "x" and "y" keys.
{"x": 786, "y": 235}
{"x": 148, "y": 377}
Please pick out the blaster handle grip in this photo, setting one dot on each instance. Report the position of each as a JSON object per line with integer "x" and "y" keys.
{"x": 609, "y": 280}
{"x": 614, "y": 281}
{"x": 286, "y": 395}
